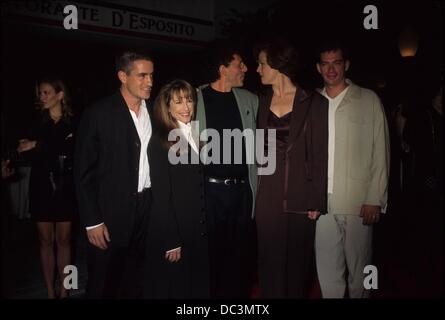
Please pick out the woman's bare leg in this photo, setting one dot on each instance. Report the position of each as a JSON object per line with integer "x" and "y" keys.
{"x": 46, "y": 239}
{"x": 63, "y": 240}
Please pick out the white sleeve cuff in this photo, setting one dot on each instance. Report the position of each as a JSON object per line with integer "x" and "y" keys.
{"x": 173, "y": 249}
{"x": 92, "y": 227}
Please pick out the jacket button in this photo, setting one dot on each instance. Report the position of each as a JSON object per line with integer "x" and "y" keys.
{"x": 137, "y": 144}
{"x": 203, "y": 234}
{"x": 202, "y": 221}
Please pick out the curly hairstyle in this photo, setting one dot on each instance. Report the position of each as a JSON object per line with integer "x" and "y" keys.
{"x": 220, "y": 54}
{"x": 281, "y": 55}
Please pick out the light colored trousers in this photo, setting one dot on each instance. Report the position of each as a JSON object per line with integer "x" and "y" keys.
{"x": 342, "y": 241}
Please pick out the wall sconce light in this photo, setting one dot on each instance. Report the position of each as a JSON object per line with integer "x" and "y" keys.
{"x": 408, "y": 43}
{"x": 381, "y": 83}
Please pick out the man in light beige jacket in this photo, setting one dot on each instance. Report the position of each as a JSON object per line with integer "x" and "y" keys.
{"x": 358, "y": 169}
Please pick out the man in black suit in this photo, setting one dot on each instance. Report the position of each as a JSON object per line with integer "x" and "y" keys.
{"x": 112, "y": 177}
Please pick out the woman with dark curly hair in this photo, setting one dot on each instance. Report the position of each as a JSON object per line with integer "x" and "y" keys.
{"x": 51, "y": 187}
{"x": 290, "y": 200}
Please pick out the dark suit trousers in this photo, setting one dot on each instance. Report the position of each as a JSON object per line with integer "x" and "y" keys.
{"x": 117, "y": 272}
{"x": 231, "y": 245}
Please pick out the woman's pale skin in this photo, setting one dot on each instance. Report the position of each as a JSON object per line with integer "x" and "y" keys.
{"x": 181, "y": 109}
{"x": 283, "y": 95}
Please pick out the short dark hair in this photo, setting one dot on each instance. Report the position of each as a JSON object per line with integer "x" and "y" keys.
{"x": 220, "y": 54}
{"x": 281, "y": 55}
{"x": 333, "y": 45}
{"x": 125, "y": 61}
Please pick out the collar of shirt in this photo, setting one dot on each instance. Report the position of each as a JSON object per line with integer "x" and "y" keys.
{"x": 143, "y": 112}
{"x": 189, "y": 134}
{"x": 186, "y": 127}
{"x": 337, "y": 99}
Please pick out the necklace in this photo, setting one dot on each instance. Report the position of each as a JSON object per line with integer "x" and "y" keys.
{"x": 55, "y": 117}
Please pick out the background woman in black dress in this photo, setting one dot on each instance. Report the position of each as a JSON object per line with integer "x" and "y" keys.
{"x": 178, "y": 249}
{"x": 51, "y": 189}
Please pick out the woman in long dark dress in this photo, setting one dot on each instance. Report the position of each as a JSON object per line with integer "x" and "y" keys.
{"x": 176, "y": 272}
{"x": 51, "y": 192}
{"x": 290, "y": 200}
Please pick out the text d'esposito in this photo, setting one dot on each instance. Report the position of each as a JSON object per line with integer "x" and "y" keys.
{"x": 137, "y": 22}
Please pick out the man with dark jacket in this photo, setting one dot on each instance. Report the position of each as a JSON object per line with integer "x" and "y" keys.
{"x": 112, "y": 177}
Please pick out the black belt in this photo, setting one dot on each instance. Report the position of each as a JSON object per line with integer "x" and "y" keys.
{"x": 227, "y": 182}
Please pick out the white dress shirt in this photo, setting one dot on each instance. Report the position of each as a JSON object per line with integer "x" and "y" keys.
{"x": 333, "y": 105}
{"x": 190, "y": 134}
{"x": 144, "y": 129}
